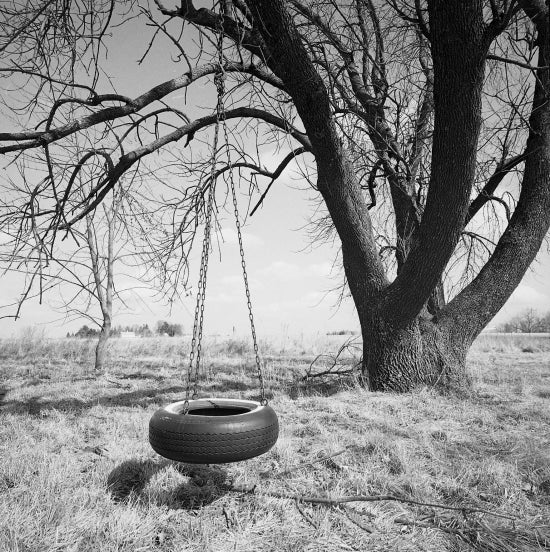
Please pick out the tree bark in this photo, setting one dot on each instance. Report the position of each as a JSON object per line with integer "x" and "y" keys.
{"x": 101, "y": 346}
{"x": 459, "y": 46}
{"x": 402, "y": 359}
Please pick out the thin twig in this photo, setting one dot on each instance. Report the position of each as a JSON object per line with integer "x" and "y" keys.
{"x": 330, "y": 372}
{"x": 335, "y": 360}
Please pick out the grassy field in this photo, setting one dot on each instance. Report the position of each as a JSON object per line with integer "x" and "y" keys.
{"x": 77, "y": 473}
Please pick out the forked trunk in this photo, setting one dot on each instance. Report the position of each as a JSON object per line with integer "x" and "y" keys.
{"x": 418, "y": 355}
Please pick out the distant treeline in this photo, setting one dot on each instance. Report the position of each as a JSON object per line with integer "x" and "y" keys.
{"x": 527, "y": 322}
{"x": 162, "y": 328}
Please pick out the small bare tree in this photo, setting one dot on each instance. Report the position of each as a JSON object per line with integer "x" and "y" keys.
{"x": 102, "y": 267}
{"x": 79, "y": 275}
{"x": 80, "y": 282}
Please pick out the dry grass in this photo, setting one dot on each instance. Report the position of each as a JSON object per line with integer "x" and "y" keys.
{"x": 77, "y": 473}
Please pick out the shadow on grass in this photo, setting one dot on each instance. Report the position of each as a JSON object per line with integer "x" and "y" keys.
{"x": 203, "y": 484}
{"x": 37, "y": 406}
{"x": 229, "y": 385}
{"x": 139, "y": 376}
{"x": 142, "y": 398}
{"x": 47, "y": 379}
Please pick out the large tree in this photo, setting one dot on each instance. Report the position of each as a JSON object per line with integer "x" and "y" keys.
{"x": 424, "y": 127}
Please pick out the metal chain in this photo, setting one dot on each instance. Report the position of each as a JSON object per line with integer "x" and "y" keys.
{"x": 196, "y": 341}
{"x": 263, "y": 399}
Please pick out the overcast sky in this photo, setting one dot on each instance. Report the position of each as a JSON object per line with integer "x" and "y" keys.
{"x": 290, "y": 281}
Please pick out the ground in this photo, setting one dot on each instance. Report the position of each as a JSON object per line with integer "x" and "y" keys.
{"x": 77, "y": 473}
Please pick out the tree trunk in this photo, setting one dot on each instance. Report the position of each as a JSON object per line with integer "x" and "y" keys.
{"x": 104, "y": 283}
{"x": 101, "y": 346}
{"x": 418, "y": 355}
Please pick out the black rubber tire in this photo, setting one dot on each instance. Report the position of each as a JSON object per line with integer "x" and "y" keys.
{"x": 207, "y": 439}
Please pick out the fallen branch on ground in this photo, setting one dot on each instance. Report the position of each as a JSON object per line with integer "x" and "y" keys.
{"x": 252, "y": 489}
{"x": 480, "y": 536}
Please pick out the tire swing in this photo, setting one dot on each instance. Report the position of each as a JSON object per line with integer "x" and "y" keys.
{"x": 214, "y": 430}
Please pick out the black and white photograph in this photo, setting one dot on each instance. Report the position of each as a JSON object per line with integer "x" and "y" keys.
{"x": 274, "y": 275}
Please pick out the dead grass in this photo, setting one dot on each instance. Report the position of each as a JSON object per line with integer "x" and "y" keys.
{"x": 77, "y": 472}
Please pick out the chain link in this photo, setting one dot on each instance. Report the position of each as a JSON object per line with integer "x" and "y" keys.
{"x": 259, "y": 372}
{"x": 196, "y": 341}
